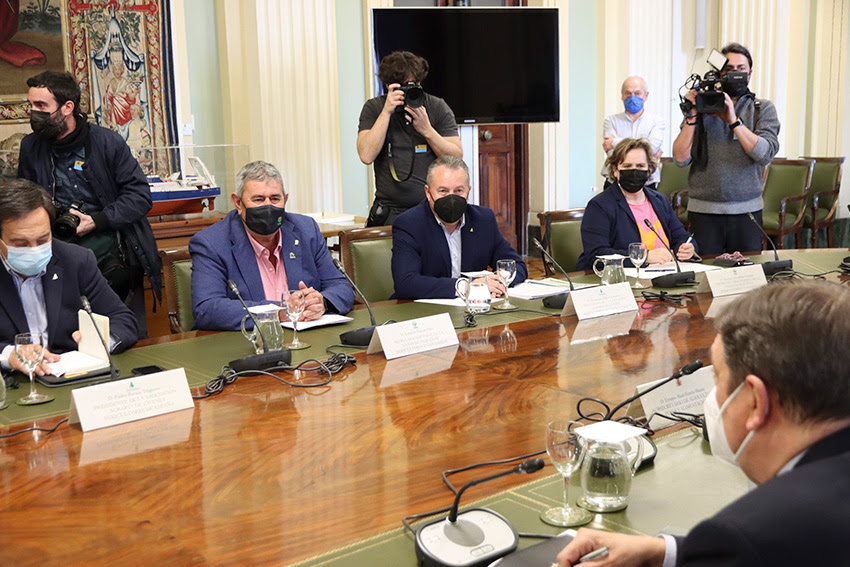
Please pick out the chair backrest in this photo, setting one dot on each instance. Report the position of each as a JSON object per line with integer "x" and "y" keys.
{"x": 826, "y": 176}
{"x": 177, "y": 277}
{"x": 367, "y": 257}
{"x": 786, "y": 178}
{"x": 560, "y": 232}
{"x": 673, "y": 177}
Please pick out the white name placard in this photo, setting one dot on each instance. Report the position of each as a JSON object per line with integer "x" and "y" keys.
{"x": 684, "y": 395}
{"x": 414, "y": 336}
{"x": 733, "y": 281}
{"x": 601, "y": 300}
{"x": 111, "y": 403}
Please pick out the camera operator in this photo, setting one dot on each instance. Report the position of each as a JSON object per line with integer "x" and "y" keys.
{"x": 402, "y": 132}
{"x": 727, "y": 152}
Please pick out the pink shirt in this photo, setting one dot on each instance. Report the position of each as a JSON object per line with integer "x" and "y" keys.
{"x": 275, "y": 284}
{"x": 645, "y": 211}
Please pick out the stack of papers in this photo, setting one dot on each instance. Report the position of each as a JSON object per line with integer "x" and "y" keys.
{"x": 75, "y": 363}
{"x": 324, "y": 320}
{"x": 536, "y": 289}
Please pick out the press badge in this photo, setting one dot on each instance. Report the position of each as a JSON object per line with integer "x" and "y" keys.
{"x": 78, "y": 165}
{"x": 420, "y": 149}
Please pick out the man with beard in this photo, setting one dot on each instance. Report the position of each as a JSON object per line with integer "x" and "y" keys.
{"x": 90, "y": 171}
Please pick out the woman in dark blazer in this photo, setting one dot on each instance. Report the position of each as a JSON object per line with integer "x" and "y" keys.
{"x": 615, "y": 218}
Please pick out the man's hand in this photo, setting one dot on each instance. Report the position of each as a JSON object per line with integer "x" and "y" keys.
{"x": 86, "y": 223}
{"x": 659, "y": 256}
{"x": 314, "y": 304}
{"x": 395, "y": 97}
{"x": 728, "y": 115}
{"x": 419, "y": 118}
{"x": 608, "y": 143}
{"x": 497, "y": 288}
{"x": 41, "y": 369}
{"x": 623, "y": 550}
{"x": 685, "y": 251}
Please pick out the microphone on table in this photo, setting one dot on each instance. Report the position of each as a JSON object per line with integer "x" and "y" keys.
{"x": 474, "y": 537}
{"x": 555, "y": 301}
{"x": 262, "y": 361}
{"x": 113, "y": 374}
{"x": 678, "y": 279}
{"x": 689, "y": 368}
{"x": 358, "y": 337}
{"x": 777, "y": 265}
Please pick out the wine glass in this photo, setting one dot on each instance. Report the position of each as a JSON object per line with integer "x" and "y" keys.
{"x": 29, "y": 348}
{"x": 566, "y": 452}
{"x": 506, "y": 271}
{"x": 294, "y": 306}
{"x": 638, "y": 254}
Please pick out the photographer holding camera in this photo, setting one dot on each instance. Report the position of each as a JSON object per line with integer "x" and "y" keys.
{"x": 402, "y": 132}
{"x": 727, "y": 145}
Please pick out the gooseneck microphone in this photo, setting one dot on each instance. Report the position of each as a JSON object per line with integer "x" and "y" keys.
{"x": 473, "y": 538}
{"x": 689, "y": 368}
{"x": 363, "y": 336}
{"x": 777, "y": 265}
{"x": 235, "y": 290}
{"x": 113, "y": 374}
{"x": 678, "y": 279}
{"x": 555, "y": 263}
{"x": 555, "y": 301}
{"x": 267, "y": 359}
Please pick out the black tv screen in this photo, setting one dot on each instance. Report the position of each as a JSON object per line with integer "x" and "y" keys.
{"x": 491, "y": 65}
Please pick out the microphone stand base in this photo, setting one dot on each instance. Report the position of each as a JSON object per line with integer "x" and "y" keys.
{"x": 678, "y": 279}
{"x": 476, "y": 539}
{"x": 358, "y": 337}
{"x": 776, "y": 266}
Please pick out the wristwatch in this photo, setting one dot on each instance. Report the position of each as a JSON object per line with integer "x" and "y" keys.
{"x": 735, "y": 124}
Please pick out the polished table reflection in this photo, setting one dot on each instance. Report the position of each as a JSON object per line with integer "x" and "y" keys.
{"x": 267, "y": 474}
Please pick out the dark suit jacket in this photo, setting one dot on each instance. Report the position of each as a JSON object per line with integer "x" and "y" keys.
{"x": 223, "y": 251}
{"x": 798, "y": 518}
{"x": 421, "y": 263}
{"x": 608, "y": 226}
{"x": 71, "y": 272}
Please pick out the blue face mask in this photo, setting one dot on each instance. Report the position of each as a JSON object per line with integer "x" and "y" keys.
{"x": 29, "y": 261}
{"x": 633, "y": 104}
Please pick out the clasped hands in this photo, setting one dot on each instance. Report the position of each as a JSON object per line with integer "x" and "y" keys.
{"x": 314, "y": 304}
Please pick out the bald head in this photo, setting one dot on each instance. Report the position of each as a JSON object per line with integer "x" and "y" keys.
{"x": 634, "y": 86}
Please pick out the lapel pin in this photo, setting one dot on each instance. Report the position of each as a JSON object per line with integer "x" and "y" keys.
{"x": 292, "y": 255}
{"x": 296, "y": 242}
{"x": 471, "y": 229}
{"x": 55, "y": 276}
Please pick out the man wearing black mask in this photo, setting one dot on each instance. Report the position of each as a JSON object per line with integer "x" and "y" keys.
{"x": 444, "y": 236}
{"x": 90, "y": 171}
{"x": 266, "y": 251}
{"x": 727, "y": 153}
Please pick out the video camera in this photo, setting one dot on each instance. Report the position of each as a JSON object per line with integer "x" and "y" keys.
{"x": 710, "y": 88}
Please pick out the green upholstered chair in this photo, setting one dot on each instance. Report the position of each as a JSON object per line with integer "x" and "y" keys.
{"x": 786, "y": 187}
{"x": 822, "y": 203}
{"x": 560, "y": 234}
{"x": 674, "y": 184}
{"x": 177, "y": 277}
{"x": 367, "y": 255}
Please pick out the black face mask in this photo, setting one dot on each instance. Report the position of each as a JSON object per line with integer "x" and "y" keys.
{"x": 45, "y": 126}
{"x": 633, "y": 180}
{"x": 450, "y": 208}
{"x": 264, "y": 220}
{"x": 735, "y": 83}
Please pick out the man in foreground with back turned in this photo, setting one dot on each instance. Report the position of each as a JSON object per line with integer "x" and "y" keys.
{"x": 780, "y": 410}
{"x": 42, "y": 279}
{"x": 443, "y": 236}
{"x": 267, "y": 252}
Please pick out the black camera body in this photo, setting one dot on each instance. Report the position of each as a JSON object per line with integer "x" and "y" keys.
{"x": 65, "y": 226}
{"x": 414, "y": 95}
{"x": 710, "y": 99}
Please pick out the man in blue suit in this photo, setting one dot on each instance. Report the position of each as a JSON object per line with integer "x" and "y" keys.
{"x": 443, "y": 236}
{"x": 266, "y": 252}
{"x": 42, "y": 279}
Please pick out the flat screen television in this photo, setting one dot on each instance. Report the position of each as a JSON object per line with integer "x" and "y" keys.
{"x": 491, "y": 65}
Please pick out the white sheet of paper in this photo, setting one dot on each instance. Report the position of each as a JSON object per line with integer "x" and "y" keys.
{"x": 732, "y": 281}
{"x": 531, "y": 289}
{"x": 649, "y": 272}
{"x": 75, "y": 362}
{"x": 324, "y": 320}
{"x": 685, "y": 395}
{"x": 90, "y": 342}
{"x": 476, "y": 274}
{"x": 600, "y": 300}
{"x": 455, "y": 302}
{"x": 413, "y": 336}
{"x": 121, "y": 401}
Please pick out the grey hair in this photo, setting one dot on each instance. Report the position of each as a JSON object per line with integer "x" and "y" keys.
{"x": 642, "y": 80}
{"x": 257, "y": 171}
{"x": 450, "y": 162}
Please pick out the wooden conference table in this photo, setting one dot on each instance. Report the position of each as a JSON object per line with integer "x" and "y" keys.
{"x": 267, "y": 474}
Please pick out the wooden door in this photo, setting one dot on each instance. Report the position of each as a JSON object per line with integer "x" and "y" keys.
{"x": 501, "y": 182}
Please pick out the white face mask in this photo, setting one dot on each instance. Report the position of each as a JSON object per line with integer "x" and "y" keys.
{"x": 716, "y": 432}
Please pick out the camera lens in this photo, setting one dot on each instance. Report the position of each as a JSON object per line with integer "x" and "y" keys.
{"x": 65, "y": 226}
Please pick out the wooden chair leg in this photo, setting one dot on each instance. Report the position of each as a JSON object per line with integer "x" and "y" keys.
{"x": 829, "y": 236}
{"x": 798, "y": 240}
{"x": 814, "y": 238}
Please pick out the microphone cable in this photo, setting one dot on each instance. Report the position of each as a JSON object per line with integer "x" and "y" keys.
{"x": 469, "y": 320}
{"x": 47, "y": 430}
{"x": 678, "y": 299}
